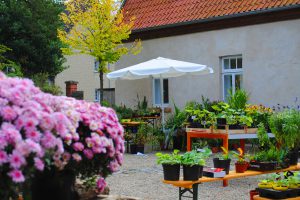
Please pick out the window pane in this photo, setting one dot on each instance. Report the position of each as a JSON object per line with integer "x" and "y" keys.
{"x": 232, "y": 63}
{"x": 239, "y": 63}
{"x": 166, "y": 91}
{"x": 226, "y": 63}
{"x": 227, "y": 85}
{"x": 238, "y": 81}
{"x": 157, "y": 91}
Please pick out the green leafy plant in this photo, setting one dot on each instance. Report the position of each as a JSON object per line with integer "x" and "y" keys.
{"x": 241, "y": 157}
{"x": 286, "y": 127}
{"x": 142, "y": 134}
{"x": 170, "y": 159}
{"x": 195, "y": 158}
{"x": 176, "y": 120}
{"x": 199, "y": 144}
{"x": 226, "y": 154}
{"x": 271, "y": 154}
{"x": 238, "y": 100}
{"x": 263, "y": 138}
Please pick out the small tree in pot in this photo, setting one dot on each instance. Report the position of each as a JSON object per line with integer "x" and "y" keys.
{"x": 193, "y": 163}
{"x": 170, "y": 164}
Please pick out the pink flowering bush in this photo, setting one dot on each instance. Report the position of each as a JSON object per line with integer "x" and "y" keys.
{"x": 38, "y": 131}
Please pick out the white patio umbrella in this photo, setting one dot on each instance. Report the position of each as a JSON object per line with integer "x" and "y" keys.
{"x": 159, "y": 68}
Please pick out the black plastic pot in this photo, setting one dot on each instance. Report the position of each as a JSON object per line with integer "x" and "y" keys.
{"x": 140, "y": 148}
{"x": 221, "y": 121}
{"x": 263, "y": 166}
{"x": 171, "y": 172}
{"x": 53, "y": 184}
{"x": 293, "y": 156}
{"x": 235, "y": 126}
{"x": 191, "y": 173}
{"x": 224, "y": 164}
{"x": 133, "y": 148}
{"x": 274, "y": 194}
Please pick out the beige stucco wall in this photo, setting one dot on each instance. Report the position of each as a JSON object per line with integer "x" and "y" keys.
{"x": 81, "y": 69}
{"x": 271, "y": 64}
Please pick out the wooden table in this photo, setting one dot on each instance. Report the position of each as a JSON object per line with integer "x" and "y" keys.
{"x": 256, "y": 197}
{"x": 192, "y": 186}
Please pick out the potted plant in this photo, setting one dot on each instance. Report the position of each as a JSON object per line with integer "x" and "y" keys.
{"x": 140, "y": 139}
{"x": 268, "y": 182}
{"x": 281, "y": 185}
{"x": 224, "y": 160}
{"x": 241, "y": 164}
{"x": 170, "y": 164}
{"x": 193, "y": 163}
{"x": 267, "y": 160}
{"x": 286, "y": 128}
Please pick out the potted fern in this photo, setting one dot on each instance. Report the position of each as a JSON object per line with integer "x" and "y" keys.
{"x": 170, "y": 164}
{"x": 224, "y": 160}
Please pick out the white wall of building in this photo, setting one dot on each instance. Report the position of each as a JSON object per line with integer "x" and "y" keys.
{"x": 271, "y": 63}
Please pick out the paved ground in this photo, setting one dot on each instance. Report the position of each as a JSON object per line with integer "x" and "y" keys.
{"x": 140, "y": 176}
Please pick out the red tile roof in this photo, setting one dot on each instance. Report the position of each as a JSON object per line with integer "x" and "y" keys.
{"x": 153, "y": 13}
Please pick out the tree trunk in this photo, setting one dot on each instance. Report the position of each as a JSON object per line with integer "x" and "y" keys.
{"x": 101, "y": 85}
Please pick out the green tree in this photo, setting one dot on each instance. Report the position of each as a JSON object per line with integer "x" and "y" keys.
{"x": 97, "y": 28}
{"x": 29, "y": 29}
{"x": 8, "y": 66}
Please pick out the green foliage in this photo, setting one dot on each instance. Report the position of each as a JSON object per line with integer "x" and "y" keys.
{"x": 195, "y": 158}
{"x": 97, "y": 28}
{"x": 238, "y": 100}
{"x": 29, "y": 29}
{"x": 271, "y": 154}
{"x": 41, "y": 80}
{"x": 263, "y": 138}
{"x": 199, "y": 144}
{"x": 226, "y": 154}
{"x": 241, "y": 157}
{"x": 9, "y": 67}
{"x": 286, "y": 127}
{"x": 123, "y": 112}
{"x": 142, "y": 135}
{"x": 170, "y": 159}
{"x": 176, "y": 120}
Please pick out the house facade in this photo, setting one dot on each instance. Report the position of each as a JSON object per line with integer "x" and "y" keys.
{"x": 253, "y": 45}
{"x": 249, "y": 44}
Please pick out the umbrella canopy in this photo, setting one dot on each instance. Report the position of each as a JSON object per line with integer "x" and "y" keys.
{"x": 159, "y": 68}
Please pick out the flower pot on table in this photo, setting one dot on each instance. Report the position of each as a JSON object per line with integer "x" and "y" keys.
{"x": 192, "y": 173}
{"x": 171, "y": 172}
{"x": 241, "y": 167}
{"x": 224, "y": 164}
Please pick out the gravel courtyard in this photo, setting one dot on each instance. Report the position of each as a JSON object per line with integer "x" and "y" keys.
{"x": 141, "y": 177}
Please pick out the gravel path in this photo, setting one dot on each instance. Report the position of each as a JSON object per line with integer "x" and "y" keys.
{"x": 141, "y": 177}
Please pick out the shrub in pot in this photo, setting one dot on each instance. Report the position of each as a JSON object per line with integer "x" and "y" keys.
{"x": 286, "y": 128}
{"x": 193, "y": 163}
{"x": 140, "y": 139}
{"x": 224, "y": 160}
{"x": 241, "y": 164}
{"x": 170, "y": 164}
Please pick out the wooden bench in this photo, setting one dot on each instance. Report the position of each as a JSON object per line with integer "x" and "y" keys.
{"x": 192, "y": 186}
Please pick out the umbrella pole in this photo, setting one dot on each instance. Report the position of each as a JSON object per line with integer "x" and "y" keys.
{"x": 163, "y": 111}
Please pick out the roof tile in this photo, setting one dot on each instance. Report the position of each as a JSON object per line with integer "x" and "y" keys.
{"x": 151, "y": 13}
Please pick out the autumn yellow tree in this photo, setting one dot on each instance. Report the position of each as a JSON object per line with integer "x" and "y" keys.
{"x": 97, "y": 28}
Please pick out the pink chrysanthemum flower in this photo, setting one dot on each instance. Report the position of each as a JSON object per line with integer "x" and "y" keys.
{"x": 17, "y": 176}
{"x": 16, "y": 160}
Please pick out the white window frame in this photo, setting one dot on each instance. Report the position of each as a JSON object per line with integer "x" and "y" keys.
{"x": 153, "y": 93}
{"x": 97, "y": 95}
{"x": 96, "y": 66}
{"x": 232, "y": 72}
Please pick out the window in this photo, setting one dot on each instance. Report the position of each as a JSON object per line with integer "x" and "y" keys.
{"x": 96, "y": 65}
{"x": 97, "y": 95}
{"x": 156, "y": 91}
{"x": 232, "y": 74}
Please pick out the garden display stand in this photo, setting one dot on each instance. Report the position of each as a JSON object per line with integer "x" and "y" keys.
{"x": 192, "y": 186}
{"x": 224, "y": 134}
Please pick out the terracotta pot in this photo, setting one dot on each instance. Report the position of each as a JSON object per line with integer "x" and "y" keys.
{"x": 241, "y": 167}
{"x": 215, "y": 149}
{"x": 253, "y": 193}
